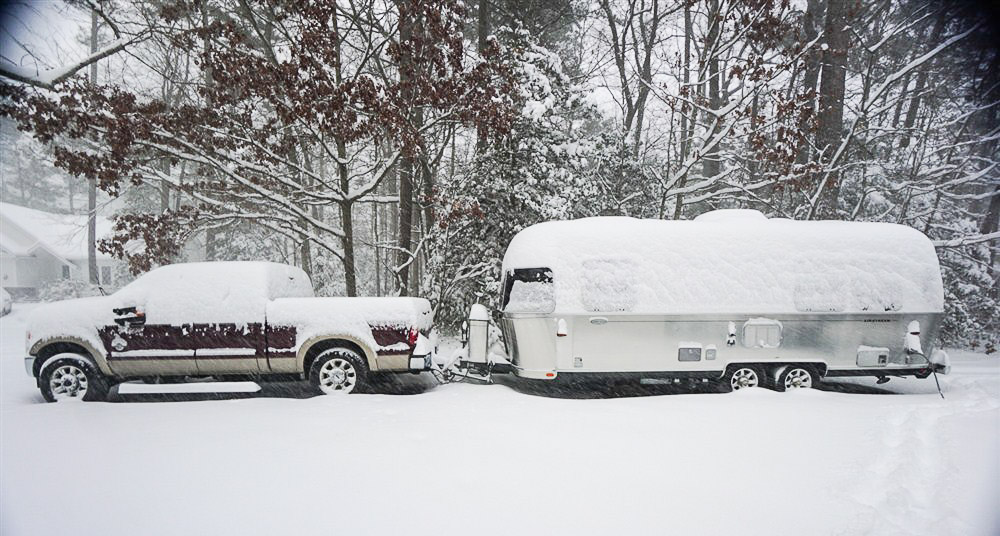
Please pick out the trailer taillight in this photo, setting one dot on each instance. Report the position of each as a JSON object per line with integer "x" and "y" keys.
{"x": 412, "y": 338}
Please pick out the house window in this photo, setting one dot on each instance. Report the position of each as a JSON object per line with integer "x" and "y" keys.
{"x": 105, "y": 274}
{"x": 65, "y": 272}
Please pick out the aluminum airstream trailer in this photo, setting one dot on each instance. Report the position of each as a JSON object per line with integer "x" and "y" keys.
{"x": 730, "y": 296}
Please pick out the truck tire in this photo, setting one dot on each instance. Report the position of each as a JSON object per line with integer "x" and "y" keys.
{"x": 72, "y": 378}
{"x": 338, "y": 371}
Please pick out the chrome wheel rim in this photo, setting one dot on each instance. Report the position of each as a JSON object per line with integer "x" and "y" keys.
{"x": 337, "y": 376}
{"x": 798, "y": 379}
{"x": 744, "y": 378}
{"x": 68, "y": 382}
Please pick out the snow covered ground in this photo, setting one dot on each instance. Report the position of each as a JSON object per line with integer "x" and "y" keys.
{"x": 852, "y": 458}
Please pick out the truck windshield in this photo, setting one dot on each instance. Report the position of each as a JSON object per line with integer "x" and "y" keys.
{"x": 529, "y": 290}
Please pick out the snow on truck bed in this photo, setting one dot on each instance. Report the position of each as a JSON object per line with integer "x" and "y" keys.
{"x": 726, "y": 261}
{"x": 349, "y": 316}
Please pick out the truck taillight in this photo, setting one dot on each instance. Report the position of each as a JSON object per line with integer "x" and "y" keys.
{"x": 412, "y": 338}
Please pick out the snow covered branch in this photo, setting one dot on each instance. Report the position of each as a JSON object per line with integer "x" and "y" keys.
{"x": 967, "y": 240}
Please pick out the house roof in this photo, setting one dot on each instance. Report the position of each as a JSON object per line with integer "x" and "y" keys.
{"x": 24, "y": 230}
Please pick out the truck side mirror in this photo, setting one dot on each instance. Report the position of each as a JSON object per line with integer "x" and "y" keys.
{"x": 129, "y": 317}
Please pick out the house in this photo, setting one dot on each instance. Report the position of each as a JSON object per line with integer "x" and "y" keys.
{"x": 38, "y": 247}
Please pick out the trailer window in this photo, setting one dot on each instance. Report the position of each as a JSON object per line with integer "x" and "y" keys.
{"x": 762, "y": 333}
{"x": 529, "y": 290}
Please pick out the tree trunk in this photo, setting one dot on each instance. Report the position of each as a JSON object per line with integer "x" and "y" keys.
{"x": 831, "y": 101}
{"x": 711, "y": 165}
{"x": 648, "y": 40}
{"x": 408, "y": 25}
{"x": 991, "y": 222}
{"x": 405, "y": 229}
{"x": 685, "y": 110}
{"x": 810, "y": 75}
{"x": 346, "y": 207}
{"x": 484, "y": 33}
{"x": 92, "y": 182}
{"x": 911, "y": 112}
{"x": 305, "y": 257}
{"x": 211, "y": 232}
{"x": 165, "y": 188}
{"x": 347, "y": 223}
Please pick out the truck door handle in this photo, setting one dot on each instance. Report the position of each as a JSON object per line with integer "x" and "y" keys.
{"x": 598, "y": 320}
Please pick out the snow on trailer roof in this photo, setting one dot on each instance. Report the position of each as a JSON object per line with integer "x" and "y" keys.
{"x": 732, "y": 261}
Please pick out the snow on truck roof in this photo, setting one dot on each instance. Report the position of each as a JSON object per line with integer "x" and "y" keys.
{"x": 240, "y": 291}
{"x": 724, "y": 262}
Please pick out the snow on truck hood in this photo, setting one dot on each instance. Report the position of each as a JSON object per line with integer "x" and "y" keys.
{"x": 730, "y": 262}
{"x": 78, "y": 318}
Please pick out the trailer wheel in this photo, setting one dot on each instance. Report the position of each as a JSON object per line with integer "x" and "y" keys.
{"x": 796, "y": 378}
{"x": 338, "y": 371}
{"x": 742, "y": 377}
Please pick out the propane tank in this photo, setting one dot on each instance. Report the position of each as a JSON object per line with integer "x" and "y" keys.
{"x": 479, "y": 337}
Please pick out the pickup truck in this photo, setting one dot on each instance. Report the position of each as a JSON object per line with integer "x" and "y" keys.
{"x": 226, "y": 320}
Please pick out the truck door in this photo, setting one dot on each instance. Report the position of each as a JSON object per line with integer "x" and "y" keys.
{"x": 187, "y": 320}
{"x": 140, "y": 344}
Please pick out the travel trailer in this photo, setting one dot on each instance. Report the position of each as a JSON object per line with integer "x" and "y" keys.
{"x": 730, "y": 296}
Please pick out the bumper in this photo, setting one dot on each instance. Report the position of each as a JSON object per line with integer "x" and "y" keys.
{"x": 29, "y": 366}
{"x": 941, "y": 368}
{"x": 420, "y": 363}
{"x": 423, "y": 352}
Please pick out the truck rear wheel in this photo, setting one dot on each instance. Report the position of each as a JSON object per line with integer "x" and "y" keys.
{"x": 72, "y": 378}
{"x": 339, "y": 371}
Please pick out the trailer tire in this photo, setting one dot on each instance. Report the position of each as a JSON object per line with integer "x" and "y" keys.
{"x": 796, "y": 377}
{"x": 742, "y": 376}
{"x": 339, "y": 371}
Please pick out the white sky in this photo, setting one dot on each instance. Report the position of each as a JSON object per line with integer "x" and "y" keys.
{"x": 49, "y": 30}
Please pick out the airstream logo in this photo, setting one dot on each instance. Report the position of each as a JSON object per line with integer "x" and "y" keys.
{"x": 877, "y": 320}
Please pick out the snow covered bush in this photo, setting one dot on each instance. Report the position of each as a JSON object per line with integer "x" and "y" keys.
{"x": 65, "y": 289}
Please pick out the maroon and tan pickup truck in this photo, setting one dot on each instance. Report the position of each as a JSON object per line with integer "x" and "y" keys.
{"x": 227, "y": 320}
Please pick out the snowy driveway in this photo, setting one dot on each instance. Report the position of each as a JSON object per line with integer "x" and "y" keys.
{"x": 494, "y": 459}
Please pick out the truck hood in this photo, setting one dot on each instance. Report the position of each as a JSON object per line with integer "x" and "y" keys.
{"x": 77, "y": 319}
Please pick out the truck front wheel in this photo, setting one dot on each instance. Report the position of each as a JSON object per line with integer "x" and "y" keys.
{"x": 72, "y": 378}
{"x": 338, "y": 371}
